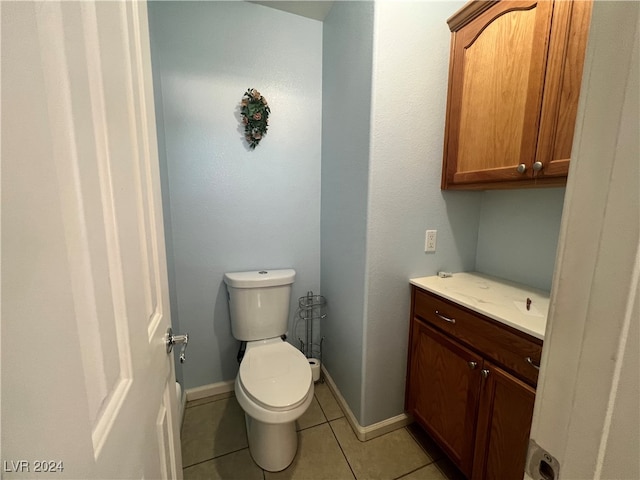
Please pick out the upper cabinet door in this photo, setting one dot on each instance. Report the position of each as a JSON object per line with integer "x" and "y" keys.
{"x": 563, "y": 79}
{"x": 508, "y": 70}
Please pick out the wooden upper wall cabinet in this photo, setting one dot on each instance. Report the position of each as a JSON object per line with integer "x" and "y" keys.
{"x": 514, "y": 80}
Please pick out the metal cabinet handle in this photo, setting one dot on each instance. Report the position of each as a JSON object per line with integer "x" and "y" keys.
{"x": 472, "y": 365}
{"x": 484, "y": 372}
{"x": 537, "y": 166}
{"x": 446, "y": 319}
{"x": 172, "y": 340}
{"x": 529, "y": 360}
{"x": 521, "y": 168}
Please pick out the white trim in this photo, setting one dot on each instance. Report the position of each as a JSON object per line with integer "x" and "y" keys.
{"x": 183, "y": 405}
{"x": 370, "y": 431}
{"x": 182, "y": 401}
{"x": 583, "y": 404}
{"x": 209, "y": 390}
{"x": 620, "y": 356}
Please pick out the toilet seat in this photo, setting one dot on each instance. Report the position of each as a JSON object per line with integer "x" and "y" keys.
{"x": 276, "y": 376}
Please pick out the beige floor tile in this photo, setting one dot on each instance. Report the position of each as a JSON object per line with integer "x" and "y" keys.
{"x": 386, "y": 457}
{"x": 213, "y": 398}
{"x": 430, "y": 472}
{"x": 327, "y": 401}
{"x": 318, "y": 458}
{"x": 234, "y": 466}
{"x": 449, "y": 470}
{"x": 425, "y": 441}
{"x": 211, "y": 430}
{"x": 312, "y": 417}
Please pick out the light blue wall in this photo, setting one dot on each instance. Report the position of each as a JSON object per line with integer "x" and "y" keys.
{"x": 231, "y": 208}
{"x": 518, "y": 235}
{"x": 365, "y": 274}
{"x": 410, "y": 77}
{"x": 367, "y": 87}
{"x": 347, "y": 57}
{"x": 166, "y": 206}
{"x": 381, "y": 190}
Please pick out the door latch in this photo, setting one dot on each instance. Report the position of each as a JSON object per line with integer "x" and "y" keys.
{"x": 172, "y": 340}
{"x": 541, "y": 465}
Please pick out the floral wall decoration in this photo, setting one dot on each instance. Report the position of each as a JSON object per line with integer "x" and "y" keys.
{"x": 255, "y": 116}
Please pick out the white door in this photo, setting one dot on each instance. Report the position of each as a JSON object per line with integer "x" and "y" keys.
{"x": 587, "y": 411}
{"x": 88, "y": 390}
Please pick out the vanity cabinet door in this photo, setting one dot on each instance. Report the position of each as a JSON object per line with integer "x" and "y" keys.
{"x": 444, "y": 384}
{"x": 504, "y": 424}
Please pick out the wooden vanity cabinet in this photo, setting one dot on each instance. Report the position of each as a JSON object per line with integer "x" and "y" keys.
{"x": 514, "y": 80}
{"x": 471, "y": 387}
{"x": 504, "y": 423}
{"x": 444, "y": 391}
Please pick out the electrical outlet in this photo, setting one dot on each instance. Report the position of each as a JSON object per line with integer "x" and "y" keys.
{"x": 430, "y": 240}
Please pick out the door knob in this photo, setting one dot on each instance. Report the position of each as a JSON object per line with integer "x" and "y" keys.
{"x": 521, "y": 168}
{"x": 484, "y": 372}
{"x": 172, "y": 340}
{"x": 537, "y": 166}
{"x": 472, "y": 365}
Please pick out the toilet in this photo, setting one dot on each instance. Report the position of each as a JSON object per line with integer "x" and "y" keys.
{"x": 274, "y": 385}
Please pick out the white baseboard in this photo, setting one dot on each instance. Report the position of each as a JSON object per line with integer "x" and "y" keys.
{"x": 209, "y": 390}
{"x": 182, "y": 402}
{"x": 183, "y": 405}
{"x": 370, "y": 431}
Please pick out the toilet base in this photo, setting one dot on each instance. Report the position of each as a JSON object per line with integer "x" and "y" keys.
{"x": 272, "y": 445}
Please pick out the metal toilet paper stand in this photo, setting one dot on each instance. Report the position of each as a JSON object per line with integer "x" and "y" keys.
{"x": 311, "y": 309}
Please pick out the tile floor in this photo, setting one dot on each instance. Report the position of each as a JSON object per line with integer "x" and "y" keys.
{"x": 214, "y": 446}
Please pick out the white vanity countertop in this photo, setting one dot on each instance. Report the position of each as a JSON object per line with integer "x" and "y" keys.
{"x": 493, "y": 297}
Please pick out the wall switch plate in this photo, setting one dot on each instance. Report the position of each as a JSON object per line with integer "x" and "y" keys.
{"x": 430, "y": 240}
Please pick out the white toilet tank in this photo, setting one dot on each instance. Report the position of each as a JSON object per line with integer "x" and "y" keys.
{"x": 259, "y": 303}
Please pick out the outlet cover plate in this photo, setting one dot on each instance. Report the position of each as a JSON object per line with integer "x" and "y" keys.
{"x": 430, "y": 241}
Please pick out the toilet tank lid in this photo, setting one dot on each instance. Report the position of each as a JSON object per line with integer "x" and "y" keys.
{"x": 260, "y": 278}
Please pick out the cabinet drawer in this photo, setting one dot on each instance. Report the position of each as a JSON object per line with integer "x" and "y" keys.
{"x": 502, "y": 344}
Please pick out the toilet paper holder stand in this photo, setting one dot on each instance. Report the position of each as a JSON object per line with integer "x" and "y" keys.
{"x": 311, "y": 309}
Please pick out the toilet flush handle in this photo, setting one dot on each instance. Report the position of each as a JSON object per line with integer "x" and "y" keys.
{"x": 172, "y": 340}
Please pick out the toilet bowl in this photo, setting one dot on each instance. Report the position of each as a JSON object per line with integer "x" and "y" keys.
{"x": 274, "y": 387}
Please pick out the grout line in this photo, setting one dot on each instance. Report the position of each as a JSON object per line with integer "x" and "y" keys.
{"x": 342, "y": 450}
{"x": 213, "y": 399}
{"x": 323, "y": 412}
{"x": 430, "y": 459}
{"x": 312, "y": 426}
{"x": 215, "y": 458}
{"x": 419, "y": 443}
{"x": 326, "y": 420}
{"x": 320, "y": 405}
{"x": 457, "y": 474}
{"x": 412, "y": 471}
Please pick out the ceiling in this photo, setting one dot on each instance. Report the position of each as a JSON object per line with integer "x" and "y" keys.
{"x": 316, "y": 10}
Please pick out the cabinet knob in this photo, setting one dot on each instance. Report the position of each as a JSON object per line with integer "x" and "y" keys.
{"x": 537, "y": 166}
{"x": 472, "y": 365}
{"x": 522, "y": 168}
{"x": 484, "y": 372}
